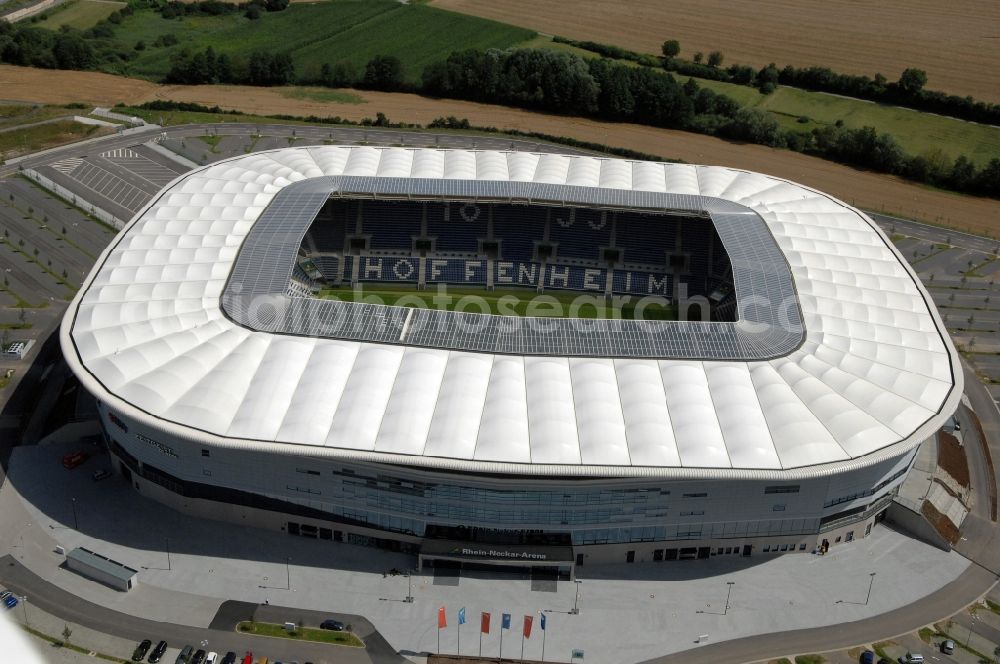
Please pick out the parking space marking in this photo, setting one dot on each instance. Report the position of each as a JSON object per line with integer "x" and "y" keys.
{"x": 110, "y": 186}
{"x": 68, "y": 165}
{"x": 143, "y": 167}
{"x": 120, "y": 153}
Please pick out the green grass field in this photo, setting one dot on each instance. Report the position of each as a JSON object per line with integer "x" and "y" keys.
{"x": 12, "y": 115}
{"x": 33, "y": 139}
{"x": 81, "y": 14}
{"x": 507, "y": 302}
{"x": 326, "y": 32}
{"x": 916, "y": 132}
{"x": 301, "y": 634}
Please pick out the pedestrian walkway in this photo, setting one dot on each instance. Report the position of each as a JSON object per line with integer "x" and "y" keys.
{"x": 188, "y": 566}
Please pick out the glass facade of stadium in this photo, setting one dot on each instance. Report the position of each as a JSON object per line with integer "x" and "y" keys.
{"x": 576, "y": 520}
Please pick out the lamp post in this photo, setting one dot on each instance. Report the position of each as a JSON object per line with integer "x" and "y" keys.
{"x": 728, "y": 595}
{"x": 24, "y": 603}
{"x": 168, "y": 554}
{"x": 576, "y": 600}
{"x": 871, "y": 582}
{"x": 409, "y": 590}
{"x": 288, "y": 574}
{"x": 76, "y": 522}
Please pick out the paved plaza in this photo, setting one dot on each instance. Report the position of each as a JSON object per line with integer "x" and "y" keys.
{"x": 652, "y": 609}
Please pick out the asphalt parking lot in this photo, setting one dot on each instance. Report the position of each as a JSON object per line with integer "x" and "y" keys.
{"x": 961, "y": 273}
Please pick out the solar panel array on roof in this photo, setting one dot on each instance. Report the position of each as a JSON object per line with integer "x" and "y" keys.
{"x": 256, "y": 294}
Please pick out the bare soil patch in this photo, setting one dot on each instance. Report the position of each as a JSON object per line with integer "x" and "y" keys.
{"x": 941, "y": 523}
{"x": 951, "y": 458}
{"x": 957, "y": 44}
{"x": 863, "y": 189}
{"x": 53, "y": 86}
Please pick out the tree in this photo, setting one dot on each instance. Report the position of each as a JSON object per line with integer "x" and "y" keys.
{"x": 384, "y": 72}
{"x": 71, "y": 51}
{"x": 671, "y": 48}
{"x": 715, "y": 59}
{"x": 66, "y": 633}
{"x": 912, "y": 81}
{"x": 698, "y": 57}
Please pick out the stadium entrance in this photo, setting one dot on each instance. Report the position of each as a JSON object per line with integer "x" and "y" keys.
{"x": 553, "y": 562}
{"x": 526, "y": 553}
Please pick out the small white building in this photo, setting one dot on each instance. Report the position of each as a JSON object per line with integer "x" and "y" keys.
{"x": 101, "y": 569}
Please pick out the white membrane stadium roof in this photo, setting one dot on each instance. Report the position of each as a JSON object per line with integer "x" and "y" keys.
{"x": 875, "y": 375}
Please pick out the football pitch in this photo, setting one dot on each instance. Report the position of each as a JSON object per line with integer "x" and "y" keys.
{"x": 524, "y": 302}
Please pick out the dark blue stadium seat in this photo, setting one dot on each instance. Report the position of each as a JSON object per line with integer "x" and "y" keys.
{"x": 580, "y": 234}
{"x": 643, "y": 283}
{"x": 456, "y": 227}
{"x": 455, "y": 271}
{"x": 391, "y": 225}
{"x": 518, "y": 227}
{"x": 644, "y": 238}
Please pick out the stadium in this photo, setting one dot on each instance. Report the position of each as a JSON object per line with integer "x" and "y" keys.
{"x": 512, "y": 359}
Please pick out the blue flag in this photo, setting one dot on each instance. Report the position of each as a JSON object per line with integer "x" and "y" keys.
{"x": 543, "y": 621}
{"x": 505, "y": 621}
{"x": 461, "y": 616}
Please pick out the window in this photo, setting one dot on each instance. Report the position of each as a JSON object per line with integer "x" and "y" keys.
{"x": 695, "y": 495}
{"x": 784, "y": 547}
{"x": 307, "y": 472}
{"x": 729, "y": 550}
{"x": 787, "y": 488}
{"x": 802, "y": 547}
{"x": 630, "y": 556}
{"x": 719, "y": 551}
{"x": 850, "y": 536}
{"x": 837, "y": 541}
{"x": 205, "y": 452}
{"x": 206, "y": 472}
{"x": 695, "y": 513}
{"x": 767, "y": 547}
{"x": 778, "y": 508}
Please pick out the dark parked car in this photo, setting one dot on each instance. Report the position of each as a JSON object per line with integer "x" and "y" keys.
{"x": 335, "y": 625}
{"x": 10, "y": 602}
{"x": 184, "y": 656}
{"x": 230, "y": 658}
{"x": 867, "y": 657}
{"x": 199, "y": 657}
{"x": 158, "y": 651}
{"x": 140, "y": 650}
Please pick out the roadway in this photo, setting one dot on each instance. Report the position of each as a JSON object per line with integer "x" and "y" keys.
{"x": 56, "y": 601}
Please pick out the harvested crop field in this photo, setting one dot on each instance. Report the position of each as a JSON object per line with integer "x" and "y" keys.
{"x": 54, "y": 86}
{"x": 868, "y": 190}
{"x": 957, "y": 44}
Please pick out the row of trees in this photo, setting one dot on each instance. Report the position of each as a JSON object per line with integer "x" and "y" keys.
{"x": 252, "y": 9}
{"x": 908, "y": 91}
{"x": 35, "y": 47}
{"x": 258, "y": 68}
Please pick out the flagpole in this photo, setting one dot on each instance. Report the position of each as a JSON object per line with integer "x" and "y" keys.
{"x": 522, "y": 644}
{"x": 501, "y": 640}
{"x": 480, "y": 635}
{"x": 458, "y": 651}
{"x": 439, "y": 640}
{"x": 544, "y": 632}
